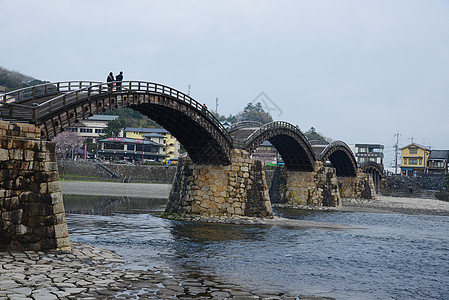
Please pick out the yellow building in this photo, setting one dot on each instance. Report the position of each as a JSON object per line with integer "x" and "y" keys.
{"x": 414, "y": 158}
{"x": 171, "y": 144}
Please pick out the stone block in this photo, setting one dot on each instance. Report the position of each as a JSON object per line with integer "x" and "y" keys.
{"x": 61, "y": 231}
{"x": 11, "y": 203}
{"x": 22, "y": 183}
{"x": 16, "y": 154}
{"x": 60, "y": 218}
{"x": 4, "y": 155}
{"x": 54, "y": 187}
{"x": 43, "y": 188}
{"x": 56, "y": 197}
{"x": 58, "y": 208}
{"x": 6, "y": 216}
{"x": 16, "y": 216}
{"x": 63, "y": 243}
{"x": 18, "y": 229}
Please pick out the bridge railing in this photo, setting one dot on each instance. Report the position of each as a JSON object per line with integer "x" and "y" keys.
{"x": 277, "y": 125}
{"x": 244, "y": 124}
{"x": 75, "y": 92}
{"x": 43, "y": 90}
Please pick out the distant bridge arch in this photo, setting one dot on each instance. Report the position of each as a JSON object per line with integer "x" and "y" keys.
{"x": 288, "y": 140}
{"x": 55, "y": 106}
{"x": 341, "y": 158}
{"x": 375, "y": 170}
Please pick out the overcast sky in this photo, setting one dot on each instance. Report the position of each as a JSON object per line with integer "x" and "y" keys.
{"x": 357, "y": 71}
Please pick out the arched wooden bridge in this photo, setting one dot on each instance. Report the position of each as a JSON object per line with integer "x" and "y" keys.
{"x": 55, "y": 106}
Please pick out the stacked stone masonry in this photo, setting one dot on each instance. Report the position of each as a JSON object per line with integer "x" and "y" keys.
{"x": 236, "y": 189}
{"x": 317, "y": 188}
{"x": 31, "y": 204}
{"x": 359, "y": 187}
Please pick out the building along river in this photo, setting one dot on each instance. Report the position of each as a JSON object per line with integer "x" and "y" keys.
{"x": 385, "y": 256}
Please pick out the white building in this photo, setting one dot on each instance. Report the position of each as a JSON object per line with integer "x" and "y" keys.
{"x": 91, "y": 129}
{"x": 368, "y": 152}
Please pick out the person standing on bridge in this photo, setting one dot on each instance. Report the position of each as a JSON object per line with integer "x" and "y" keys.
{"x": 119, "y": 79}
{"x": 110, "y": 81}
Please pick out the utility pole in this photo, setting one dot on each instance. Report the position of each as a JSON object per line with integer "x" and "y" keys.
{"x": 216, "y": 105}
{"x": 396, "y": 153}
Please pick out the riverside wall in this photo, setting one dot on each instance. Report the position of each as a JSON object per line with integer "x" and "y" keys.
{"x": 86, "y": 170}
{"x": 238, "y": 189}
{"x": 31, "y": 204}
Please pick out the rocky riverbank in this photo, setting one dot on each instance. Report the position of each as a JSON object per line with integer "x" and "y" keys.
{"x": 384, "y": 204}
{"x": 88, "y": 272}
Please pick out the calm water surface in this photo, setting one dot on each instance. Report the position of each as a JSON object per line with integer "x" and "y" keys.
{"x": 388, "y": 256}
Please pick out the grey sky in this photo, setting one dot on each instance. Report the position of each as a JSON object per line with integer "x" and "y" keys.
{"x": 355, "y": 70}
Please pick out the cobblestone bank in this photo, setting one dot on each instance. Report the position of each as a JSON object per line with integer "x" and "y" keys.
{"x": 92, "y": 273}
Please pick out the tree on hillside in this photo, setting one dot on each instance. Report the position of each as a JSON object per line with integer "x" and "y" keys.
{"x": 113, "y": 128}
{"x": 254, "y": 112}
{"x": 14, "y": 80}
{"x": 316, "y": 137}
{"x": 67, "y": 143}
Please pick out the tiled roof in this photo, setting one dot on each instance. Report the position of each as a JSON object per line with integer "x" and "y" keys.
{"x": 103, "y": 118}
{"x": 439, "y": 154}
{"x": 146, "y": 130}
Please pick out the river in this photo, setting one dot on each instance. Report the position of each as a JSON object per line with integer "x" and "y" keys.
{"x": 385, "y": 256}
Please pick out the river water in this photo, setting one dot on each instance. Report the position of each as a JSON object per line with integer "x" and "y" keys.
{"x": 385, "y": 256}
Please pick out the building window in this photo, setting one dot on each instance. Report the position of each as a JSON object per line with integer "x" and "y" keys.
{"x": 85, "y": 130}
{"x": 362, "y": 150}
{"x": 405, "y": 161}
{"x": 412, "y": 161}
{"x": 113, "y": 146}
{"x": 413, "y": 150}
{"x": 99, "y": 130}
{"x": 130, "y": 147}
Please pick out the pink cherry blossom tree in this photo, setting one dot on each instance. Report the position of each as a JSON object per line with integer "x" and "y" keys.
{"x": 67, "y": 143}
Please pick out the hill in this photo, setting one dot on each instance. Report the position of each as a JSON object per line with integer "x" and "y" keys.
{"x": 13, "y": 80}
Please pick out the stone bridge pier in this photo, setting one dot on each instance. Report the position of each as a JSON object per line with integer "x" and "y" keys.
{"x": 359, "y": 187}
{"x": 237, "y": 189}
{"x": 316, "y": 188}
{"x": 31, "y": 206}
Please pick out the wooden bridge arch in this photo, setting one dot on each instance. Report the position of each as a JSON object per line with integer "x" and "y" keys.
{"x": 55, "y": 106}
{"x": 288, "y": 140}
{"x": 341, "y": 157}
